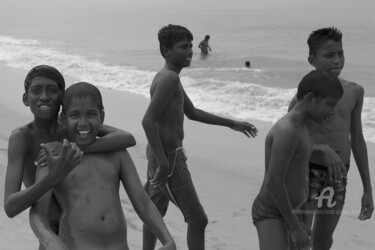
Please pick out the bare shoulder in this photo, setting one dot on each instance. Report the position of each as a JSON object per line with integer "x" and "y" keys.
{"x": 117, "y": 155}
{"x": 284, "y": 129}
{"x": 352, "y": 87}
{"x": 166, "y": 81}
{"x": 22, "y": 134}
{"x": 285, "y": 125}
{"x": 165, "y": 76}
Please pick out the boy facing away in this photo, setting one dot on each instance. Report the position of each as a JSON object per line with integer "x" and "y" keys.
{"x": 333, "y": 142}
{"x": 288, "y": 148}
{"x": 167, "y": 174}
{"x": 44, "y": 88}
{"x": 92, "y": 216}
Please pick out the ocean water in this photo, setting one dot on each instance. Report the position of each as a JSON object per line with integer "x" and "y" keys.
{"x": 114, "y": 44}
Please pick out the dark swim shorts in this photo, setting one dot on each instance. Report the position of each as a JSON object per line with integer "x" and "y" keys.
{"x": 179, "y": 189}
{"x": 260, "y": 211}
{"x": 319, "y": 180}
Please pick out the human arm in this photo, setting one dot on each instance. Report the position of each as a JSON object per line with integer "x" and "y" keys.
{"x": 142, "y": 204}
{"x": 324, "y": 155}
{"x": 110, "y": 139}
{"x": 280, "y": 151}
{"x": 166, "y": 86}
{"x": 196, "y": 114}
{"x": 38, "y": 217}
{"x": 15, "y": 200}
{"x": 359, "y": 149}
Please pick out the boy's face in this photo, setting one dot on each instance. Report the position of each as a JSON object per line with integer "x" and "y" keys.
{"x": 181, "y": 53}
{"x": 44, "y": 98}
{"x": 83, "y": 120}
{"x": 329, "y": 57}
{"x": 323, "y": 109}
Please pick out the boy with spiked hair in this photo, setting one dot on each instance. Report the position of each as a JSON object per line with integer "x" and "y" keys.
{"x": 333, "y": 142}
{"x": 288, "y": 149}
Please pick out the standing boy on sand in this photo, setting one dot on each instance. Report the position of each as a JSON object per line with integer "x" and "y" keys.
{"x": 92, "y": 216}
{"x": 204, "y": 46}
{"x": 333, "y": 142}
{"x": 288, "y": 149}
{"x": 44, "y": 88}
{"x": 167, "y": 174}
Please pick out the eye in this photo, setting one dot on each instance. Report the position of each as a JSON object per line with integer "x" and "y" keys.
{"x": 35, "y": 91}
{"x": 93, "y": 114}
{"x": 53, "y": 90}
{"x": 329, "y": 55}
{"x": 73, "y": 115}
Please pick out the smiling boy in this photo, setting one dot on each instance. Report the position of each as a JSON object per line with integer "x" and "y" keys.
{"x": 92, "y": 215}
{"x": 44, "y": 88}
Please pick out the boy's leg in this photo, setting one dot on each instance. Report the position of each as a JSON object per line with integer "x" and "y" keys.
{"x": 328, "y": 212}
{"x": 184, "y": 192}
{"x": 325, "y": 222}
{"x": 272, "y": 234}
{"x": 196, "y": 234}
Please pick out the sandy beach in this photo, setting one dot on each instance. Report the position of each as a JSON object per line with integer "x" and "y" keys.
{"x": 226, "y": 166}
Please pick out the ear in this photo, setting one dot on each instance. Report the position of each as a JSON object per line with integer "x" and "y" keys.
{"x": 63, "y": 118}
{"x": 165, "y": 51}
{"x": 25, "y": 99}
{"x": 102, "y": 115}
{"x": 309, "y": 97}
{"x": 311, "y": 60}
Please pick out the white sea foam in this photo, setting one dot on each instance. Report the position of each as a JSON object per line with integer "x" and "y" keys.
{"x": 237, "y": 99}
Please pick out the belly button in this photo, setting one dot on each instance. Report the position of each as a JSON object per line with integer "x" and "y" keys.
{"x": 102, "y": 218}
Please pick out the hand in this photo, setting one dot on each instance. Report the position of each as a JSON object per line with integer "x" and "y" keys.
{"x": 56, "y": 245}
{"x": 61, "y": 158}
{"x": 336, "y": 168}
{"x": 168, "y": 246}
{"x": 160, "y": 177}
{"x": 300, "y": 238}
{"x": 367, "y": 207}
{"x": 246, "y": 128}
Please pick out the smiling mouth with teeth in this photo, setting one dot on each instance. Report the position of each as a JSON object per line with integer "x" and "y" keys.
{"x": 83, "y": 132}
{"x": 44, "y": 106}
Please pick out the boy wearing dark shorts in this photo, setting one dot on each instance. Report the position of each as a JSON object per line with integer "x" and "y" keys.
{"x": 168, "y": 175}
{"x": 334, "y": 141}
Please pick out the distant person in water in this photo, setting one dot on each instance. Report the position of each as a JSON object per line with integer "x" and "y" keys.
{"x": 204, "y": 46}
{"x": 247, "y": 64}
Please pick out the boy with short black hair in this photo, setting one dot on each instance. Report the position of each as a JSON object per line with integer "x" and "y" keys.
{"x": 92, "y": 216}
{"x": 287, "y": 150}
{"x": 168, "y": 176}
{"x": 44, "y": 88}
{"x": 333, "y": 142}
